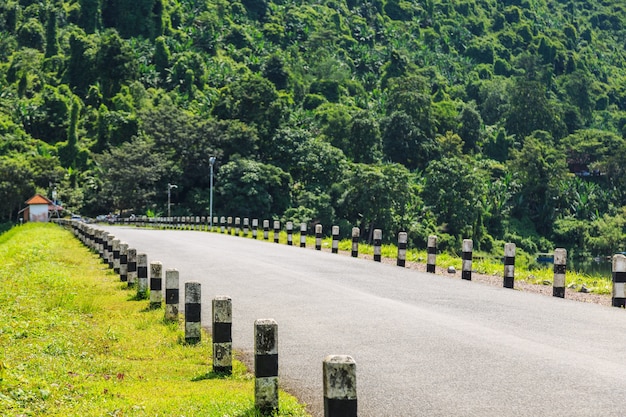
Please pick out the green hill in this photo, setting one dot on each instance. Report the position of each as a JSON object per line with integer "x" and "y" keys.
{"x": 495, "y": 120}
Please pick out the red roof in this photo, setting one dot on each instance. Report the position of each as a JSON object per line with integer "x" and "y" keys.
{"x": 38, "y": 199}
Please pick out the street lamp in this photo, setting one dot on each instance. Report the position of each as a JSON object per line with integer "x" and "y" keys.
{"x": 211, "y": 162}
{"x": 169, "y": 197}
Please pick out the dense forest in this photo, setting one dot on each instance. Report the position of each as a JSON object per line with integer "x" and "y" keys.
{"x": 483, "y": 119}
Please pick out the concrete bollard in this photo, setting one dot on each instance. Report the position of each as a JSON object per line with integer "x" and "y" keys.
{"x": 156, "y": 284}
{"x": 230, "y": 225}
{"x": 110, "y": 256}
{"x": 509, "y": 265}
{"x": 402, "y": 239}
{"x": 560, "y": 266}
{"x": 222, "y": 335}
{"x": 289, "y": 227}
{"x": 339, "y": 374}
{"x": 246, "y": 226}
{"x": 303, "y": 235}
{"x": 142, "y": 276}
{"x": 356, "y": 232}
{"x": 203, "y": 224}
{"x": 468, "y": 246}
{"x": 431, "y": 261}
{"x": 215, "y": 224}
{"x": 172, "y": 294}
{"x": 104, "y": 253}
{"x": 255, "y": 228}
{"x": 266, "y": 229}
{"x": 222, "y": 224}
{"x": 318, "y": 237}
{"x": 193, "y": 300}
{"x": 116, "y": 255}
{"x": 132, "y": 267}
{"x": 124, "y": 262}
{"x": 378, "y": 241}
{"x": 237, "y": 226}
{"x": 266, "y": 365}
{"x": 618, "y": 297}
{"x": 276, "y": 231}
{"x": 335, "y": 244}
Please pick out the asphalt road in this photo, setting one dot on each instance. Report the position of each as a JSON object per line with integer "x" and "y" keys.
{"x": 424, "y": 345}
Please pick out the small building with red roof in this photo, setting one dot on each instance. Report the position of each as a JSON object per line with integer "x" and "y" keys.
{"x": 38, "y": 209}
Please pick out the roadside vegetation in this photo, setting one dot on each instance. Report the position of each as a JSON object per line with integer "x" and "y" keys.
{"x": 75, "y": 342}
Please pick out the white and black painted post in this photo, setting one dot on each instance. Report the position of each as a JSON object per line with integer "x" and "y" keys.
{"x": 123, "y": 261}
{"x": 266, "y": 229}
{"x": 237, "y": 226}
{"x": 266, "y": 365}
{"x": 203, "y": 224}
{"x": 468, "y": 246}
{"x": 230, "y": 225}
{"x": 303, "y": 235}
{"x": 378, "y": 241}
{"x": 618, "y": 297}
{"x": 318, "y": 237}
{"x": 431, "y": 261}
{"x": 246, "y": 226}
{"x": 193, "y": 300}
{"x": 215, "y": 224}
{"x": 509, "y": 265}
{"x": 255, "y": 228}
{"x": 289, "y": 227}
{"x": 156, "y": 284}
{"x": 276, "y": 231}
{"x": 339, "y": 374}
{"x": 560, "y": 267}
{"x": 222, "y": 335}
{"x": 132, "y": 267}
{"x": 172, "y": 294}
{"x": 356, "y": 232}
{"x": 223, "y": 224}
{"x": 335, "y": 244}
{"x": 110, "y": 255}
{"x": 116, "y": 255}
{"x": 402, "y": 239}
{"x": 142, "y": 276}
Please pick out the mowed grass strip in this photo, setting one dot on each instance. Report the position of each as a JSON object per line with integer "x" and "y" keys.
{"x": 74, "y": 342}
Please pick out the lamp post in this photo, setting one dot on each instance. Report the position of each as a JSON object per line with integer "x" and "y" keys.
{"x": 211, "y": 162}
{"x": 169, "y": 198}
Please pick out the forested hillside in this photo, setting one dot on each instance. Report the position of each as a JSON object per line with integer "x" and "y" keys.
{"x": 484, "y": 119}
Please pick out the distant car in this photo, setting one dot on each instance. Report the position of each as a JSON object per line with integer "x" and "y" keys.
{"x": 76, "y": 217}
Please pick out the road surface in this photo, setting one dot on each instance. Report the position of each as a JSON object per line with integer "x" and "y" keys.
{"x": 424, "y": 345}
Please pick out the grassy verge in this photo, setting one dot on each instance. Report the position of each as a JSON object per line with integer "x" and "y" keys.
{"x": 75, "y": 343}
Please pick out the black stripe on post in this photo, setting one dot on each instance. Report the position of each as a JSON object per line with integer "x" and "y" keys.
{"x": 192, "y": 312}
{"x": 222, "y": 332}
{"x": 266, "y": 365}
{"x": 172, "y": 295}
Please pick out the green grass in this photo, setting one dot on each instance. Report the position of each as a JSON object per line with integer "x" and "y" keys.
{"x": 75, "y": 343}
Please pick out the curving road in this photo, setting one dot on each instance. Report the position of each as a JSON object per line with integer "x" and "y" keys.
{"x": 424, "y": 345}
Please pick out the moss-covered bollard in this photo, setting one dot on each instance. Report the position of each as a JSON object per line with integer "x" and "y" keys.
{"x": 276, "y": 231}
{"x": 132, "y": 267}
{"x": 142, "y": 276}
{"x": 246, "y": 226}
{"x": 266, "y": 229}
{"x": 193, "y": 300}
{"x": 156, "y": 284}
{"x": 123, "y": 261}
{"x": 339, "y": 374}
{"x": 172, "y": 294}
{"x": 116, "y": 255}
{"x": 222, "y": 335}
{"x": 266, "y": 365}
{"x": 255, "y": 228}
{"x": 560, "y": 267}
